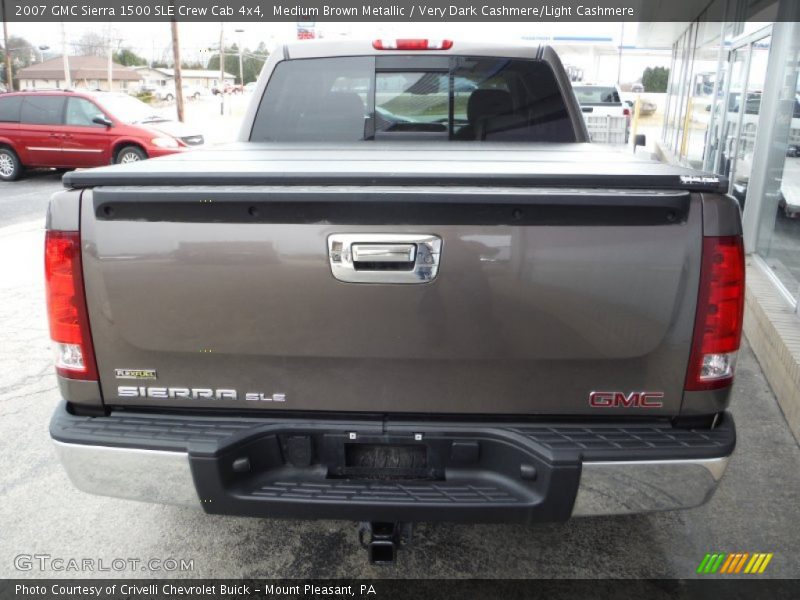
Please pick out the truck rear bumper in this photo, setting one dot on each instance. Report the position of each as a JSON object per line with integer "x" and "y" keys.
{"x": 472, "y": 472}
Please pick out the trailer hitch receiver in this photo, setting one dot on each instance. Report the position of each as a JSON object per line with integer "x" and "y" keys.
{"x": 383, "y": 539}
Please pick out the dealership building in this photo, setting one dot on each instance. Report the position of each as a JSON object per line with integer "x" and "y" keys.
{"x": 733, "y": 108}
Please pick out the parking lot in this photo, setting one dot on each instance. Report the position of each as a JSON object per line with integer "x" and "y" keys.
{"x": 218, "y": 119}
{"x": 754, "y": 510}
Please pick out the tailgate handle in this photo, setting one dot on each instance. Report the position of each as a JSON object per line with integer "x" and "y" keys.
{"x": 384, "y": 257}
{"x": 384, "y": 253}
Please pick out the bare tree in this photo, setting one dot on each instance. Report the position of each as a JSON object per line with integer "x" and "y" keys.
{"x": 17, "y": 54}
{"x": 91, "y": 43}
{"x": 7, "y": 52}
{"x": 96, "y": 42}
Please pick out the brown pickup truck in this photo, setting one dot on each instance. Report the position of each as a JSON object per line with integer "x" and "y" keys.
{"x": 411, "y": 292}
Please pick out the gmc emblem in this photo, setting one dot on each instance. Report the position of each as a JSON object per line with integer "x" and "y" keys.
{"x": 622, "y": 400}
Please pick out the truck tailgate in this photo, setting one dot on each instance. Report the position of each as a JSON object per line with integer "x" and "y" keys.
{"x": 224, "y": 297}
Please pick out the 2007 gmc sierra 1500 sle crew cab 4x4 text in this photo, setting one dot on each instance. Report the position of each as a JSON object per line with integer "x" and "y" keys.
{"x": 410, "y": 292}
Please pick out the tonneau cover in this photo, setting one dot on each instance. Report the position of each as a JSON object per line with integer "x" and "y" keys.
{"x": 373, "y": 163}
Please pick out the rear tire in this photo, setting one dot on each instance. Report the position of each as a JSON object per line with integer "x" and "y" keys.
{"x": 169, "y": 98}
{"x": 130, "y": 154}
{"x": 10, "y": 166}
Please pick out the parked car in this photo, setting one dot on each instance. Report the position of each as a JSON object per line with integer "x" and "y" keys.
{"x": 646, "y": 107}
{"x": 190, "y": 90}
{"x": 69, "y": 130}
{"x": 398, "y": 319}
{"x": 229, "y": 88}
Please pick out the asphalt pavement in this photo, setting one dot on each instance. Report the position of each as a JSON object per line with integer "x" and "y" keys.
{"x": 754, "y": 510}
{"x": 26, "y": 199}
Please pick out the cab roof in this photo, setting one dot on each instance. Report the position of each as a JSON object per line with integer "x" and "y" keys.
{"x": 364, "y": 47}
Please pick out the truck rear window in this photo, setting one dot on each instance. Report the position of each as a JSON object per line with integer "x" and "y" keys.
{"x": 366, "y": 98}
{"x": 595, "y": 94}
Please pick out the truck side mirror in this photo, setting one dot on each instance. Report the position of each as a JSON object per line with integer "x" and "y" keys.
{"x": 639, "y": 139}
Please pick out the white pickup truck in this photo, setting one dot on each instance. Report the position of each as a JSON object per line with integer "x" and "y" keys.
{"x": 607, "y": 117}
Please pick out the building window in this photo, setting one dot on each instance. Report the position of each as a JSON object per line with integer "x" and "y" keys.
{"x": 676, "y": 91}
{"x": 778, "y": 238}
{"x": 703, "y": 89}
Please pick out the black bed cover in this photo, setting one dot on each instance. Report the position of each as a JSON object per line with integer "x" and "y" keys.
{"x": 418, "y": 164}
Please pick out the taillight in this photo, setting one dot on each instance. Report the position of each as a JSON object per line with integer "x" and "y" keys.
{"x": 626, "y": 112}
{"x": 412, "y": 44}
{"x": 720, "y": 308}
{"x": 66, "y": 306}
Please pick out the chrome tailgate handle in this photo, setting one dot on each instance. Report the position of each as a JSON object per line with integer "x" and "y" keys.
{"x": 384, "y": 257}
{"x": 403, "y": 253}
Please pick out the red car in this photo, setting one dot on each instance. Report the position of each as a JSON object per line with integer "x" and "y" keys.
{"x": 66, "y": 129}
{"x": 230, "y": 88}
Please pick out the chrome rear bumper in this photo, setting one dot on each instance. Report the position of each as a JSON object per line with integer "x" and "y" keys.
{"x": 130, "y": 473}
{"x": 605, "y": 488}
{"x": 617, "y": 488}
{"x": 464, "y": 471}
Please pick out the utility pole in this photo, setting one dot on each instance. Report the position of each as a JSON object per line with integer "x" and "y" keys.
{"x": 222, "y": 68}
{"x": 110, "y": 63}
{"x": 619, "y": 63}
{"x": 241, "y": 68}
{"x": 176, "y": 57}
{"x": 9, "y": 78}
{"x": 67, "y": 78}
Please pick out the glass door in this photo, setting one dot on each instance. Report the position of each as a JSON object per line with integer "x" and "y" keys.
{"x": 734, "y": 121}
{"x": 778, "y": 233}
{"x": 749, "y": 108}
{"x": 726, "y": 117}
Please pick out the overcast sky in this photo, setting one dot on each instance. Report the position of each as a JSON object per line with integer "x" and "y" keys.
{"x": 152, "y": 40}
